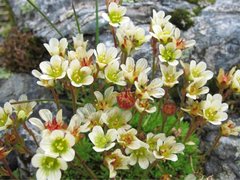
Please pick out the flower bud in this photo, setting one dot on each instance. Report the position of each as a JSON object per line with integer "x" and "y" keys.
{"x": 169, "y": 108}
{"x": 126, "y": 99}
{"x": 229, "y": 128}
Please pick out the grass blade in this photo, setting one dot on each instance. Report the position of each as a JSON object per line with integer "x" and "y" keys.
{"x": 97, "y": 23}
{"x": 45, "y": 17}
{"x": 76, "y": 18}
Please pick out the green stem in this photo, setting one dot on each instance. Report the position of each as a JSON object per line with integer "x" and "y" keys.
{"x": 97, "y": 23}
{"x": 76, "y": 18}
{"x": 30, "y": 133}
{"x": 150, "y": 168}
{"x": 86, "y": 167}
{"x": 45, "y": 17}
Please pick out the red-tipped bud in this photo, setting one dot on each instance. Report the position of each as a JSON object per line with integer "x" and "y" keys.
{"x": 126, "y": 99}
{"x": 169, "y": 108}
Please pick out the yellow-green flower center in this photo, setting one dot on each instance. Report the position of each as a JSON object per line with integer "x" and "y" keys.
{"x": 141, "y": 152}
{"x": 113, "y": 76}
{"x": 60, "y": 145}
{"x": 165, "y": 150}
{"x": 102, "y": 58}
{"x": 3, "y": 120}
{"x": 102, "y": 141}
{"x": 169, "y": 55}
{"x": 195, "y": 72}
{"x": 50, "y": 164}
{"x": 78, "y": 76}
{"x": 169, "y": 78}
{"x": 116, "y": 121}
{"x": 115, "y": 17}
{"x": 56, "y": 72}
{"x": 152, "y": 143}
{"x": 210, "y": 114}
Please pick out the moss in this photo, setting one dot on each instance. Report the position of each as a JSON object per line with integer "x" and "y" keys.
{"x": 198, "y": 2}
{"x": 197, "y": 10}
{"x": 182, "y": 19}
{"x": 30, "y": 51}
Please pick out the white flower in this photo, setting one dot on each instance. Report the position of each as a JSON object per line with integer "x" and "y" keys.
{"x": 198, "y": 71}
{"x": 236, "y": 82}
{"x": 91, "y": 117}
{"x": 5, "y": 113}
{"x": 197, "y": 88}
{"x": 147, "y": 91}
{"x": 180, "y": 42}
{"x": 193, "y": 107}
{"x": 114, "y": 75}
{"x": 55, "y": 69}
{"x": 79, "y": 76}
{"x": 167, "y": 148}
{"x": 85, "y": 57}
{"x": 23, "y": 110}
{"x": 131, "y": 37}
{"x": 132, "y": 70}
{"x": 78, "y": 41}
{"x": 169, "y": 54}
{"x": 170, "y": 75}
{"x": 42, "y": 82}
{"x": 101, "y": 141}
{"x": 116, "y": 160}
{"x": 159, "y": 18}
{"x": 50, "y": 123}
{"x": 128, "y": 138}
{"x": 143, "y": 105}
{"x": 141, "y": 155}
{"x": 214, "y": 109}
{"x": 106, "y": 101}
{"x": 152, "y": 140}
{"x": 116, "y": 118}
{"x": 49, "y": 167}
{"x": 75, "y": 126}
{"x": 56, "y": 47}
{"x": 115, "y": 14}
{"x": 105, "y": 56}
{"x": 59, "y": 143}
{"x": 162, "y": 34}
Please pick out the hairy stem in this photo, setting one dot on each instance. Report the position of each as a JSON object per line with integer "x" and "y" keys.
{"x": 123, "y": 57}
{"x": 30, "y": 133}
{"x": 114, "y": 36}
{"x": 86, "y": 167}
{"x": 140, "y": 120}
{"x": 74, "y": 98}
{"x": 56, "y": 97}
{"x": 214, "y": 145}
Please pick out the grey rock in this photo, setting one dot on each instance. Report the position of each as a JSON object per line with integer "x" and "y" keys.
{"x": 224, "y": 161}
{"x": 19, "y": 84}
{"x": 216, "y": 32}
